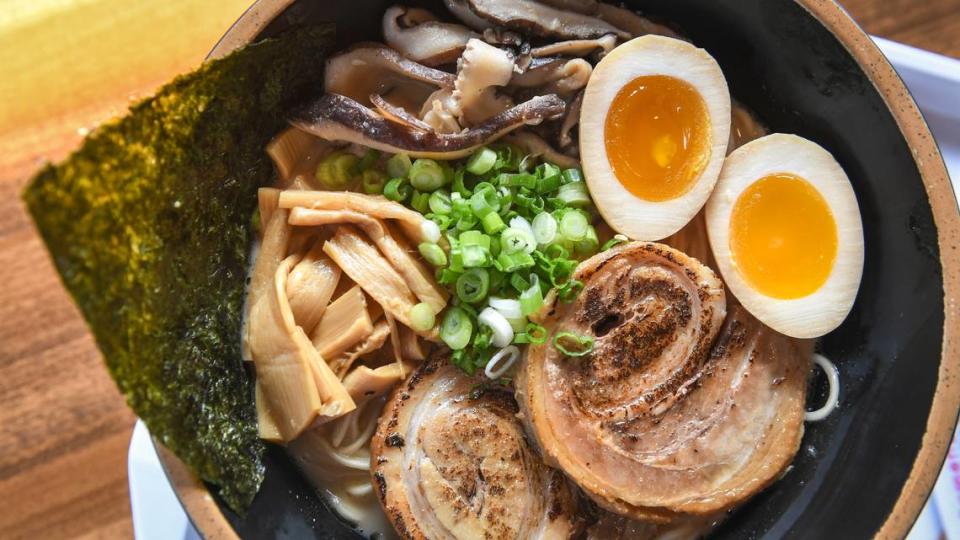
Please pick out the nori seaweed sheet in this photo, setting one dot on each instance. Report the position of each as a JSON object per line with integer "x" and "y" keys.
{"x": 149, "y": 225}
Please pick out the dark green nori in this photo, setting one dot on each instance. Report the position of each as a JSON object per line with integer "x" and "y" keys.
{"x": 149, "y": 226}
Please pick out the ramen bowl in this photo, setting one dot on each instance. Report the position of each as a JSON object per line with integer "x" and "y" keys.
{"x": 805, "y": 68}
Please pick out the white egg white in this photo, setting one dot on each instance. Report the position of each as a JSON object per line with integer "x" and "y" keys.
{"x": 648, "y": 55}
{"x": 824, "y": 309}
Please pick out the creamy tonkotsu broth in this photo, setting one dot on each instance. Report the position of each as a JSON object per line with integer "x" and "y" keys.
{"x": 454, "y": 292}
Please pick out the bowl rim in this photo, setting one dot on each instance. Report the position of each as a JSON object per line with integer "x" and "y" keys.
{"x": 207, "y": 517}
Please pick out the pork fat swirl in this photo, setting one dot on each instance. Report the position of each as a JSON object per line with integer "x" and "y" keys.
{"x": 675, "y": 412}
{"x": 450, "y": 460}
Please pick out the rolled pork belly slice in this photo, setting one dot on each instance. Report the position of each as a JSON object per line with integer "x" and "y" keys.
{"x": 450, "y": 460}
{"x": 681, "y": 409}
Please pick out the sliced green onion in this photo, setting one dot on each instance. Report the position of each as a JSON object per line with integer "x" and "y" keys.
{"x": 511, "y": 262}
{"x": 544, "y": 228}
{"x": 336, "y": 171}
{"x": 482, "y": 161}
{"x": 616, "y": 240}
{"x": 493, "y": 223}
{"x": 517, "y": 180}
{"x": 474, "y": 238}
{"x": 420, "y": 202}
{"x": 513, "y": 240}
{"x": 470, "y": 310}
{"x": 501, "y": 362}
{"x": 572, "y": 175}
{"x": 531, "y": 300}
{"x": 458, "y": 185}
{"x": 568, "y": 290}
{"x": 446, "y": 276}
{"x": 456, "y": 259}
{"x": 433, "y": 254}
{"x": 456, "y": 328}
{"x": 573, "y": 226}
{"x": 475, "y": 256}
{"x": 373, "y": 181}
{"x": 466, "y": 222}
{"x": 398, "y": 165}
{"x": 439, "y": 202}
{"x": 482, "y": 338}
{"x": 426, "y": 175}
{"x": 571, "y": 344}
{"x": 549, "y": 178}
{"x": 397, "y": 189}
{"x": 465, "y": 361}
{"x": 518, "y": 324}
{"x": 574, "y": 194}
{"x": 367, "y": 160}
{"x": 497, "y": 278}
{"x": 556, "y": 251}
{"x": 498, "y": 324}
{"x": 422, "y": 317}
{"x": 506, "y": 202}
{"x": 484, "y": 200}
{"x": 509, "y": 307}
{"x": 443, "y": 222}
{"x": 533, "y": 333}
{"x": 519, "y": 283}
{"x": 473, "y": 285}
{"x": 588, "y": 245}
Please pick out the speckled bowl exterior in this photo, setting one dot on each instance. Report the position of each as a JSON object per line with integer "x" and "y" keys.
{"x": 806, "y": 68}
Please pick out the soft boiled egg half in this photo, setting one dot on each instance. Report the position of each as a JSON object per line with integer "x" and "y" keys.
{"x": 654, "y": 127}
{"x": 785, "y": 229}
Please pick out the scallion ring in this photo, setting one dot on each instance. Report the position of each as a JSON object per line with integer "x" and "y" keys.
{"x": 456, "y": 328}
{"x": 473, "y": 285}
{"x": 498, "y": 324}
{"x": 531, "y": 300}
{"x": 501, "y": 362}
{"x": 422, "y": 317}
{"x": 571, "y": 344}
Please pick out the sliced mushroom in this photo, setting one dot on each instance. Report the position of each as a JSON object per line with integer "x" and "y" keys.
{"x": 501, "y": 36}
{"x": 451, "y": 461}
{"x": 576, "y": 47}
{"x": 419, "y": 36}
{"x": 540, "y": 20}
{"x": 587, "y": 7}
{"x": 339, "y": 118}
{"x": 559, "y": 76}
{"x": 632, "y": 23}
{"x": 440, "y": 112}
{"x": 398, "y": 115}
{"x": 371, "y": 68}
{"x": 481, "y": 69}
{"x": 461, "y": 10}
{"x": 570, "y": 121}
{"x": 535, "y": 146}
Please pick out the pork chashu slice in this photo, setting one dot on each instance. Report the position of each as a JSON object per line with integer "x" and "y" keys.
{"x": 676, "y": 412}
{"x": 450, "y": 461}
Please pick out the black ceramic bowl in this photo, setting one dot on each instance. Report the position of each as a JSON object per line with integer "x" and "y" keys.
{"x": 805, "y": 68}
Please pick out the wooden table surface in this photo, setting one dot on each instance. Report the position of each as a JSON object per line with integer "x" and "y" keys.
{"x": 67, "y": 65}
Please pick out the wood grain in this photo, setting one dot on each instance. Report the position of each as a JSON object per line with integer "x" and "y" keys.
{"x": 68, "y": 65}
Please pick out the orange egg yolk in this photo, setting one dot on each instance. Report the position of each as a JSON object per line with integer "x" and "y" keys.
{"x": 783, "y": 236}
{"x": 657, "y": 137}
